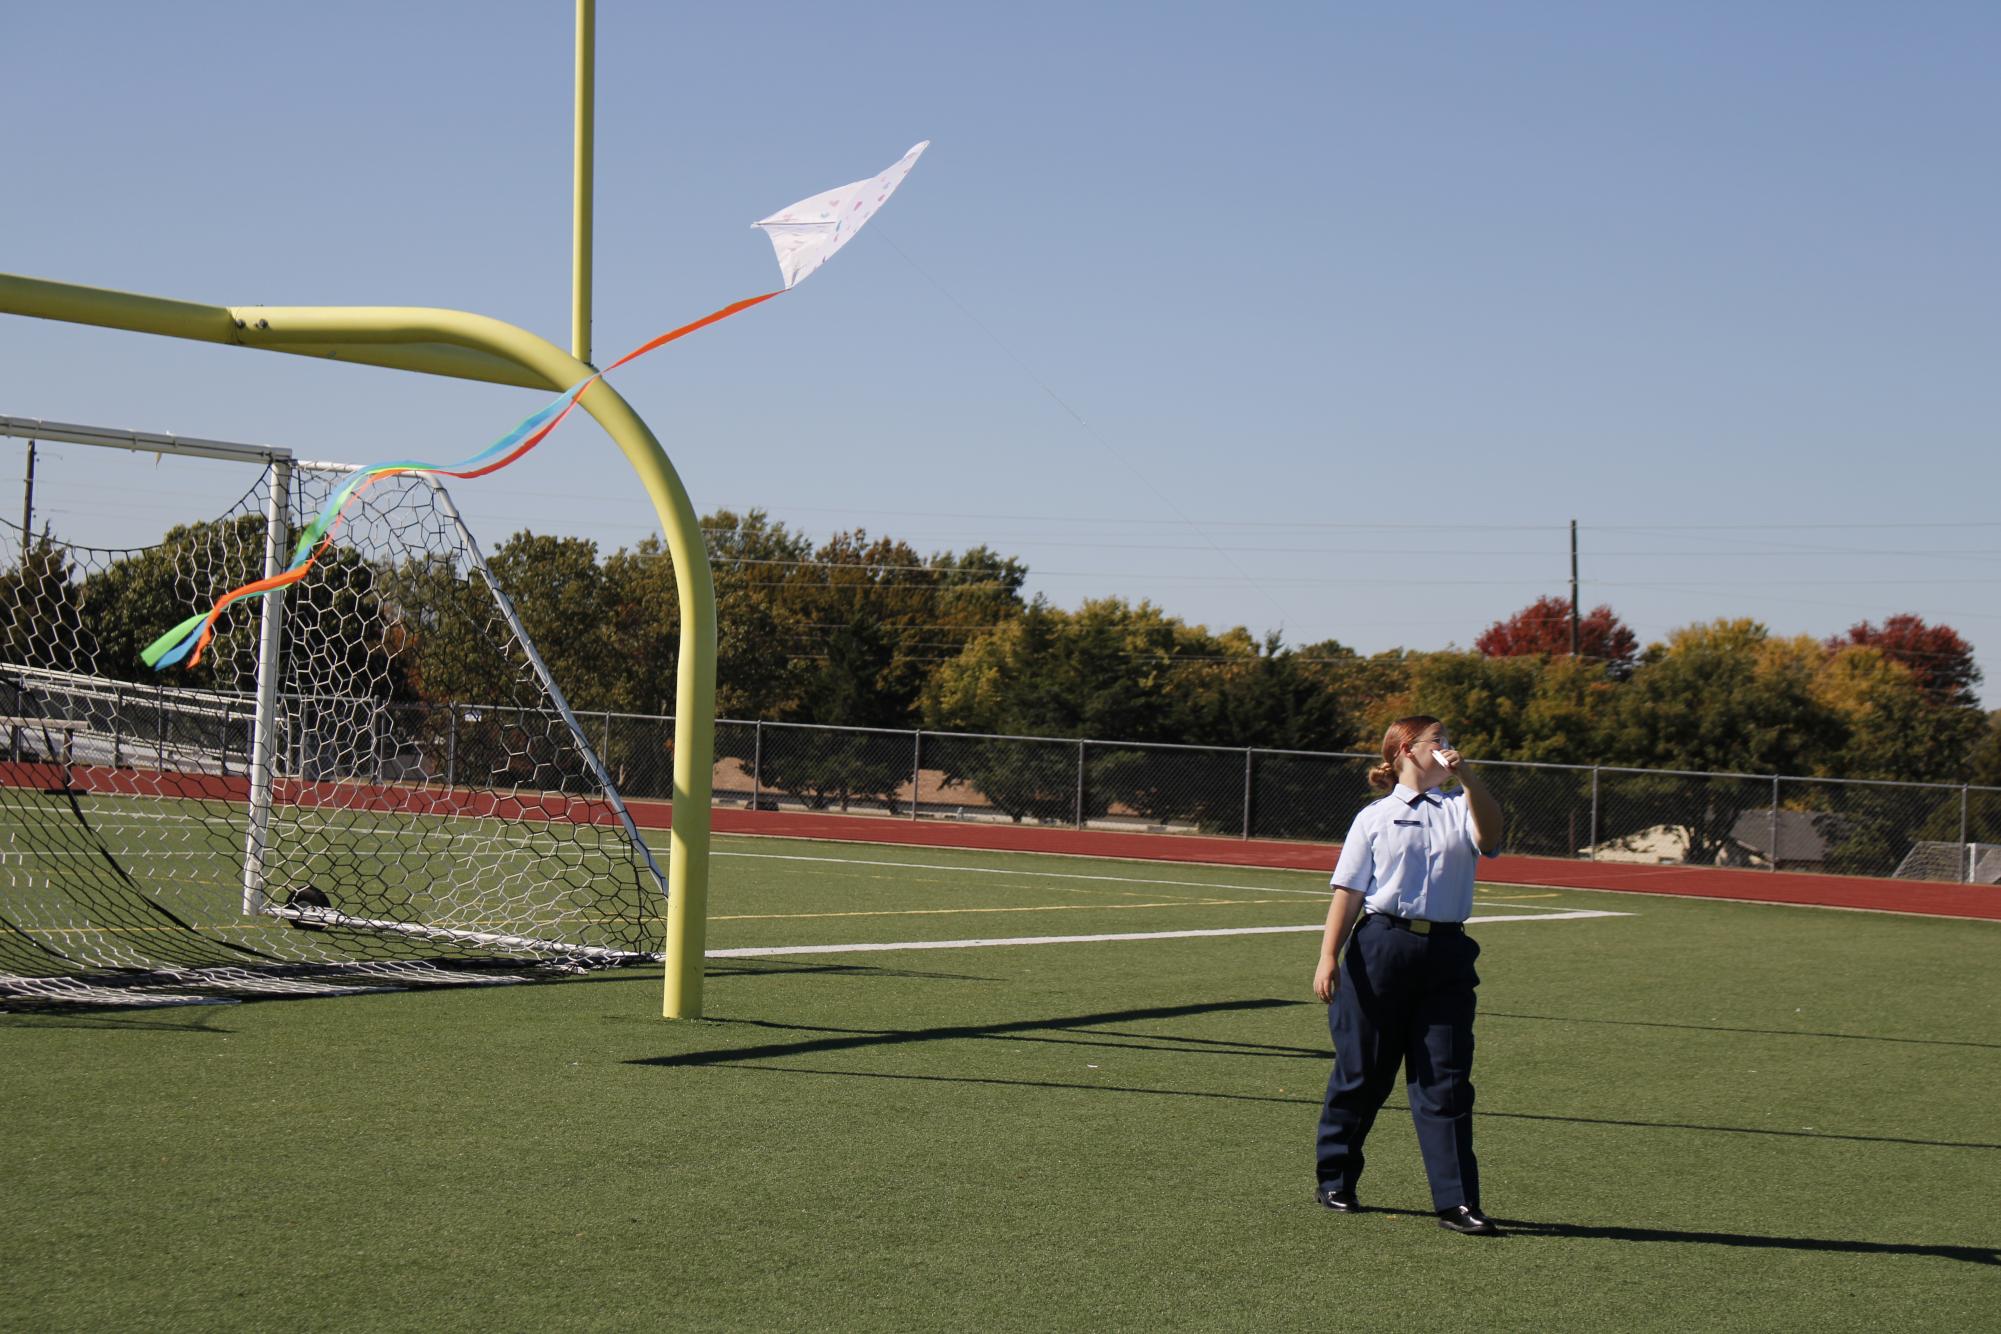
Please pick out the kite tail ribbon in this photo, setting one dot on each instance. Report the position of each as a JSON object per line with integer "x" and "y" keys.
{"x": 191, "y": 637}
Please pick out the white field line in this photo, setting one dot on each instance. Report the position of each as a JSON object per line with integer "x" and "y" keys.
{"x": 1035, "y": 875}
{"x": 762, "y": 951}
{"x": 1322, "y": 893}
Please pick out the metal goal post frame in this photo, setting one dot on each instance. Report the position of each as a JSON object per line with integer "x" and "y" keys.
{"x": 462, "y": 345}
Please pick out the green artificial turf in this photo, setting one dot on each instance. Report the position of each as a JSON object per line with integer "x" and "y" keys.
{"x": 1699, "y": 1115}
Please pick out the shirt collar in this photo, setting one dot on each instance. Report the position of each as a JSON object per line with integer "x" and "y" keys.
{"x": 1410, "y": 796}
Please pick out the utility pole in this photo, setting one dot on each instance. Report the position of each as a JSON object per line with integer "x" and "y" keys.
{"x": 1576, "y": 636}
{"x": 28, "y": 506}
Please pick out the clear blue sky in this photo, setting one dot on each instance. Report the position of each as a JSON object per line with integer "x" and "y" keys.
{"x": 1359, "y": 304}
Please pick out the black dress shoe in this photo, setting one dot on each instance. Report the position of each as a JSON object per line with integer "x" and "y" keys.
{"x": 1465, "y": 1218}
{"x": 1340, "y": 1201}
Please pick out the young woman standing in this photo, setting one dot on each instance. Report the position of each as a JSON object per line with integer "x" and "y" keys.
{"x": 1404, "y": 995}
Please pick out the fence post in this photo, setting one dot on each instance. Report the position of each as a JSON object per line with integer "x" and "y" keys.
{"x": 757, "y": 765}
{"x": 916, "y": 768}
{"x": 1080, "y": 783}
{"x": 118, "y": 717}
{"x": 452, "y": 748}
{"x": 160, "y": 721}
{"x": 1775, "y": 822}
{"x": 1247, "y": 793}
{"x": 1965, "y": 839}
{"x": 222, "y": 749}
{"x": 604, "y": 742}
{"x": 1592, "y": 847}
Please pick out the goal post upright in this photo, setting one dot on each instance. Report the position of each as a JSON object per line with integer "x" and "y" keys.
{"x": 467, "y": 346}
{"x": 270, "y": 671}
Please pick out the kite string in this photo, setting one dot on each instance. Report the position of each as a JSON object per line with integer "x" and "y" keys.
{"x": 190, "y": 638}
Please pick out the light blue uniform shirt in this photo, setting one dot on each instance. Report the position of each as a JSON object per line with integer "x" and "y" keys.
{"x": 1412, "y": 854}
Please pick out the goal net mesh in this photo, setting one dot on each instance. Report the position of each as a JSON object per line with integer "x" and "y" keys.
{"x": 432, "y": 801}
{"x": 1973, "y": 863}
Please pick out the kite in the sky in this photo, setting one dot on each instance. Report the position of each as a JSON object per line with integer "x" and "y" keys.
{"x": 804, "y": 237}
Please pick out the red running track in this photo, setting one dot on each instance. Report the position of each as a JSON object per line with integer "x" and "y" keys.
{"x": 1920, "y": 897}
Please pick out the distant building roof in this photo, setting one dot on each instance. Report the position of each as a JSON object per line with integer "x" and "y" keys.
{"x": 1800, "y": 838}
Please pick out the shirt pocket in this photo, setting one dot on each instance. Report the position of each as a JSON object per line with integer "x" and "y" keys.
{"x": 1406, "y": 844}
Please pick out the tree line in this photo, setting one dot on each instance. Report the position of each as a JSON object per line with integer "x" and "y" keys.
{"x": 866, "y": 631}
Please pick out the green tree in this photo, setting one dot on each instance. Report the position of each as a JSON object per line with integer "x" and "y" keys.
{"x": 1108, "y": 669}
{"x": 1984, "y": 762}
{"x": 559, "y": 590}
{"x": 132, "y": 601}
{"x": 1260, "y": 693}
{"x": 1895, "y": 726}
{"x": 1892, "y": 725}
{"x": 1105, "y": 670}
{"x": 41, "y": 600}
{"x": 1725, "y": 697}
{"x": 1984, "y": 768}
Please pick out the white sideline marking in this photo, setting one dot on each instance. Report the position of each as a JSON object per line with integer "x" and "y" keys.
{"x": 1320, "y": 893}
{"x": 1043, "y": 875}
{"x": 988, "y": 942}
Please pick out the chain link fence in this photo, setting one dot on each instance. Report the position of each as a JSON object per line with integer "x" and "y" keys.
{"x": 1915, "y": 831}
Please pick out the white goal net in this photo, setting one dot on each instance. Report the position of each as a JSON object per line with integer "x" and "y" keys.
{"x": 1969, "y": 863}
{"x": 372, "y": 781}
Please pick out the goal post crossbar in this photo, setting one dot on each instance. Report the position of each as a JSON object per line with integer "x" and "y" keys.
{"x": 140, "y": 442}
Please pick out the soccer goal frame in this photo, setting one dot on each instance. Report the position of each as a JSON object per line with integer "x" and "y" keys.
{"x": 264, "y": 748}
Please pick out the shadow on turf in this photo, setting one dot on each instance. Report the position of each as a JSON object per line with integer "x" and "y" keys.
{"x": 846, "y": 1039}
{"x": 1521, "y": 1227}
{"x": 744, "y": 1058}
{"x": 72, "y": 1018}
{"x": 650, "y": 973}
{"x": 1727, "y": 1028}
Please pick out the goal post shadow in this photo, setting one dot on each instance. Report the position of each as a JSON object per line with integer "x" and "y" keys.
{"x": 462, "y": 345}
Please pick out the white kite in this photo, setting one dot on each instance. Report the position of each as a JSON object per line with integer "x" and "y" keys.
{"x": 807, "y": 234}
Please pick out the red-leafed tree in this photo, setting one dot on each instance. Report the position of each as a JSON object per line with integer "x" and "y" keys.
{"x": 1940, "y": 661}
{"x": 1544, "y": 627}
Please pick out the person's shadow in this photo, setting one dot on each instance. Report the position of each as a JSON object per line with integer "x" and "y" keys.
{"x": 1522, "y": 1227}
{"x": 1095, "y": 1030}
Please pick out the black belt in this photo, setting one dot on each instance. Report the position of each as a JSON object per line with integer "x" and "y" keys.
{"x": 1418, "y": 925}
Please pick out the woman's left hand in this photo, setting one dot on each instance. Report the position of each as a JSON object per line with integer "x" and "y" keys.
{"x": 1450, "y": 759}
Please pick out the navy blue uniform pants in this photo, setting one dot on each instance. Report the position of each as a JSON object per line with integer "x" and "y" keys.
{"x": 1404, "y": 1000}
